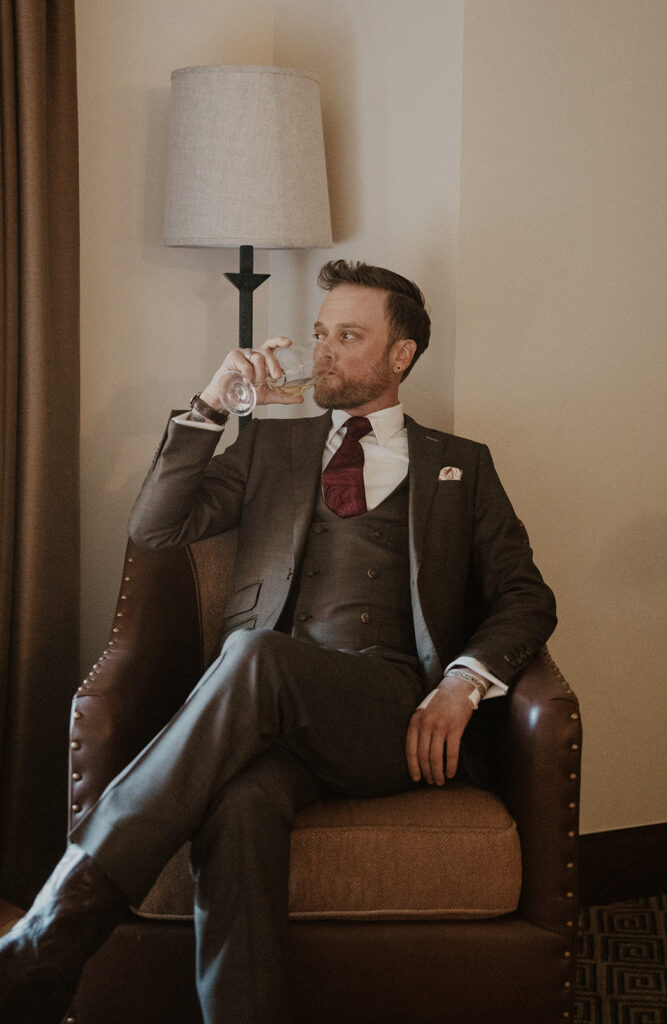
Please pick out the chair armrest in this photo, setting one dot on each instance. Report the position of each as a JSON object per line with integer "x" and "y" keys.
{"x": 151, "y": 662}
{"x": 540, "y": 787}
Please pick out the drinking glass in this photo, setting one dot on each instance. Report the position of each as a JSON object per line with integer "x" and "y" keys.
{"x": 238, "y": 395}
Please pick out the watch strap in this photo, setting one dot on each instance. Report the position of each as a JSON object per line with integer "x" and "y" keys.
{"x": 197, "y": 404}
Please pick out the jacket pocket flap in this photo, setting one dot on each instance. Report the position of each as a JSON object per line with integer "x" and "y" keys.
{"x": 244, "y": 600}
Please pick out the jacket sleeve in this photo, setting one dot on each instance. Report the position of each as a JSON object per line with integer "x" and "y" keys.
{"x": 518, "y": 610}
{"x": 189, "y": 494}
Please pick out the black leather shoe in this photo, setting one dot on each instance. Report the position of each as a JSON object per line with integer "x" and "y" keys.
{"x": 42, "y": 957}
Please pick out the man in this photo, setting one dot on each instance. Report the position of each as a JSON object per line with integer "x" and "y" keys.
{"x": 383, "y": 586}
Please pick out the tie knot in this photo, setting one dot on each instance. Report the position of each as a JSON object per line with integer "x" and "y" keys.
{"x": 358, "y": 426}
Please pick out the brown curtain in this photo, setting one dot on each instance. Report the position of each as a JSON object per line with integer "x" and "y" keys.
{"x": 39, "y": 426}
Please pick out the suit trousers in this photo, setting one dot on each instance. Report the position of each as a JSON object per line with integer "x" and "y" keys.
{"x": 273, "y": 724}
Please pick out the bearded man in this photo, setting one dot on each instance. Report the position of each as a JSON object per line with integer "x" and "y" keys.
{"x": 383, "y": 587}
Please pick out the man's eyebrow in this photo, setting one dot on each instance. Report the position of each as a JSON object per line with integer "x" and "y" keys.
{"x": 343, "y": 326}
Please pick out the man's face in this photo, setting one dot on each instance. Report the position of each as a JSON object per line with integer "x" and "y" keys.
{"x": 351, "y": 351}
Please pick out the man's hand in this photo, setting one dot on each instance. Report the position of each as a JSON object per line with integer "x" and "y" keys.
{"x": 441, "y": 722}
{"x": 257, "y": 365}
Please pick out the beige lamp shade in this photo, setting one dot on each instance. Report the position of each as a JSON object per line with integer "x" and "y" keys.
{"x": 246, "y": 159}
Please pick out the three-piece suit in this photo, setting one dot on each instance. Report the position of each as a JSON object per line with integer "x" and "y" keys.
{"x": 335, "y": 631}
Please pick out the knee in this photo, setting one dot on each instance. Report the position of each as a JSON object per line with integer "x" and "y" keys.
{"x": 251, "y": 643}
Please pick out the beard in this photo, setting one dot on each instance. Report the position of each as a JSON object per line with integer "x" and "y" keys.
{"x": 333, "y": 391}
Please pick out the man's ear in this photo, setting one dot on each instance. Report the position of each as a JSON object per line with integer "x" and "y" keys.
{"x": 403, "y": 352}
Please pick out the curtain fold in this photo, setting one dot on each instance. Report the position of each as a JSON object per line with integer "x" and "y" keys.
{"x": 39, "y": 424}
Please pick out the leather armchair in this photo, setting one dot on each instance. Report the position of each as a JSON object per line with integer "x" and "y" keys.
{"x": 373, "y": 966}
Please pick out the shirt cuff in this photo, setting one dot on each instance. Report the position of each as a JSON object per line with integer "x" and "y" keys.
{"x": 197, "y": 424}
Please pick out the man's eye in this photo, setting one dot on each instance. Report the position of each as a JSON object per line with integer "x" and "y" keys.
{"x": 348, "y": 336}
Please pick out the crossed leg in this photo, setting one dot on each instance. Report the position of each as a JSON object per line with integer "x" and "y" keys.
{"x": 273, "y": 723}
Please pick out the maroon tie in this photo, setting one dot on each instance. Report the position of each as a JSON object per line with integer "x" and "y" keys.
{"x": 343, "y": 479}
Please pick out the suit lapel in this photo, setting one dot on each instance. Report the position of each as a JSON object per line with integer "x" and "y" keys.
{"x": 308, "y": 439}
{"x": 426, "y": 458}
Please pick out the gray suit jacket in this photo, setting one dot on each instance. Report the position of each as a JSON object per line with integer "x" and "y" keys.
{"x": 474, "y": 587}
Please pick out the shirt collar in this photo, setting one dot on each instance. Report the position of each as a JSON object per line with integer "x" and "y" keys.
{"x": 385, "y": 422}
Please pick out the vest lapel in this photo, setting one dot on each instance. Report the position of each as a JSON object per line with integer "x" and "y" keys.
{"x": 308, "y": 439}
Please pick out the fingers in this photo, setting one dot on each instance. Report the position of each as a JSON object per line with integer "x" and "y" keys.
{"x": 411, "y": 751}
{"x": 424, "y": 750}
{"x": 273, "y": 366}
{"x": 437, "y": 754}
{"x": 431, "y": 732}
{"x": 453, "y": 747}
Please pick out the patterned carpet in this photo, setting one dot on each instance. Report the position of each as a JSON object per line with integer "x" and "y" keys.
{"x": 621, "y": 974}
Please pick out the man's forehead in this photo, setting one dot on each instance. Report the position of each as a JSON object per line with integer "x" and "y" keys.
{"x": 348, "y": 304}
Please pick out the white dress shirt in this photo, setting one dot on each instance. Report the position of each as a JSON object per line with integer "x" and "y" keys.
{"x": 386, "y": 464}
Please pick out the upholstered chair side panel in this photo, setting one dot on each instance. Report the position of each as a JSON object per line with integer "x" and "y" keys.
{"x": 541, "y": 790}
{"x": 213, "y": 565}
{"x": 152, "y": 660}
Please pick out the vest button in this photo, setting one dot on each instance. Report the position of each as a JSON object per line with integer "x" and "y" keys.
{"x": 377, "y": 534}
{"x": 365, "y": 616}
{"x": 371, "y": 573}
{"x": 319, "y": 529}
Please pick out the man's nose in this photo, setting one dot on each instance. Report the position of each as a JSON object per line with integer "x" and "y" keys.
{"x": 324, "y": 355}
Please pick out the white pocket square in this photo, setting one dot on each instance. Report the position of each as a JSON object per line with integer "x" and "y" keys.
{"x": 450, "y": 473}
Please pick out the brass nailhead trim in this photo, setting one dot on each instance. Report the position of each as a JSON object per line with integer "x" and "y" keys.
{"x": 568, "y": 984}
{"x": 574, "y": 716}
{"x": 575, "y": 746}
{"x": 76, "y": 808}
{"x": 572, "y": 806}
{"x": 78, "y": 714}
{"x": 75, "y": 745}
{"x": 567, "y": 954}
{"x": 573, "y": 776}
{"x": 570, "y": 865}
{"x": 76, "y": 776}
{"x": 128, "y": 579}
{"x": 569, "y": 895}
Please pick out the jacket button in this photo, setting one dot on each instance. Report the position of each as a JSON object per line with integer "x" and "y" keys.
{"x": 371, "y": 573}
{"x": 365, "y": 616}
{"x": 377, "y": 534}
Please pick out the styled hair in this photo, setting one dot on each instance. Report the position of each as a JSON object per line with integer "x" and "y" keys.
{"x": 406, "y": 308}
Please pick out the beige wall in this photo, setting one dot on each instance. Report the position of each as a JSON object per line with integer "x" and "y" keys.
{"x": 556, "y": 321}
{"x": 154, "y": 321}
{"x": 561, "y": 341}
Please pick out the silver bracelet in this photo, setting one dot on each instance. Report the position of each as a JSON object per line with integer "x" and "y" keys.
{"x": 479, "y": 684}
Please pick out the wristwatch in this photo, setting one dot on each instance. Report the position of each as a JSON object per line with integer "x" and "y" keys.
{"x": 198, "y": 405}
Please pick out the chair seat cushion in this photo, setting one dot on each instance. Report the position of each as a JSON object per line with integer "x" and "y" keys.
{"x": 432, "y": 853}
